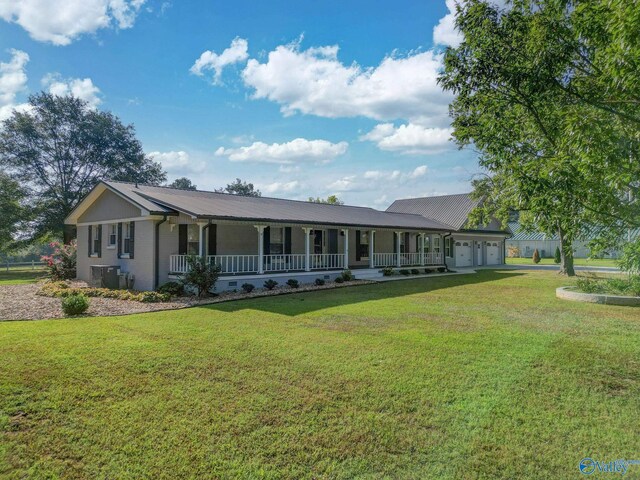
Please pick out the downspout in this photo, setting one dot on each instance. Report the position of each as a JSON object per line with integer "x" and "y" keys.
{"x": 156, "y": 266}
{"x": 444, "y": 250}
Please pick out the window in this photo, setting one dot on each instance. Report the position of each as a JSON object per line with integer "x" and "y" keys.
{"x": 126, "y": 236}
{"x": 364, "y": 245}
{"x": 436, "y": 244}
{"x": 427, "y": 244}
{"x": 113, "y": 236}
{"x": 276, "y": 240}
{"x": 193, "y": 239}
{"x": 95, "y": 242}
{"x": 402, "y": 243}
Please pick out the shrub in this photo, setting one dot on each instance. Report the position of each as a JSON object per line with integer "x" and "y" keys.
{"x": 270, "y": 284}
{"x": 154, "y": 297}
{"x": 513, "y": 251}
{"x": 427, "y": 271}
{"x": 75, "y": 304}
{"x": 319, "y": 282}
{"x": 590, "y": 285}
{"x": 174, "y": 289}
{"x": 347, "y": 276}
{"x": 339, "y": 280}
{"x": 629, "y": 262}
{"x": 404, "y": 272}
{"x": 200, "y": 274}
{"x": 557, "y": 258}
{"x": 536, "y": 256}
{"x": 63, "y": 290}
{"x": 415, "y": 271}
{"x": 442, "y": 269}
{"x": 248, "y": 287}
{"x": 387, "y": 271}
{"x": 293, "y": 283}
{"x": 61, "y": 264}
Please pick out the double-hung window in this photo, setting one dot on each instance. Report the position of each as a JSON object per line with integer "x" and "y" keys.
{"x": 276, "y": 241}
{"x": 436, "y": 244}
{"x": 113, "y": 235}
{"x": 447, "y": 246}
{"x": 95, "y": 240}
{"x": 193, "y": 239}
{"x": 364, "y": 245}
{"x": 126, "y": 238}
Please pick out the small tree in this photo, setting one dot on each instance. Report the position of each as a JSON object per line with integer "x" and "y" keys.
{"x": 536, "y": 256}
{"x": 200, "y": 274}
{"x": 182, "y": 183}
{"x": 513, "y": 251}
{"x": 629, "y": 262}
{"x": 557, "y": 257}
{"x": 61, "y": 264}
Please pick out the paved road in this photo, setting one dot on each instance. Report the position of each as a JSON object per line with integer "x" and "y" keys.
{"x": 580, "y": 268}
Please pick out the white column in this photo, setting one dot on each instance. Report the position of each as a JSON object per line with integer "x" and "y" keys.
{"x": 201, "y": 234}
{"x": 346, "y": 248}
{"x": 371, "y": 249}
{"x": 398, "y": 256}
{"x": 421, "y": 243}
{"x": 307, "y": 248}
{"x": 260, "y": 229}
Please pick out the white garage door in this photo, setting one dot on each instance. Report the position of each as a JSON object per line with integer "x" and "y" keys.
{"x": 463, "y": 254}
{"x": 493, "y": 253}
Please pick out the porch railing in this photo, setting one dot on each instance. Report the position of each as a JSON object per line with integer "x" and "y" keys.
{"x": 239, "y": 264}
{"x": 235, "y": 263}
{"x": 407, "y": 259}
{"x": 283, "y": 263}
{"x": 326, "y": 261}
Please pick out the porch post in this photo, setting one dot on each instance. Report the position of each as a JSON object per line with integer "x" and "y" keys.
{"x": 201, "y": 236}
{"x": 346, "y": 248}
{"x": 398, "y": 239}
{"x": 307, "y": 248}
{"x": 260, "y": 229}
{"x": 371, "y": 249}
{"x": 422, "y": 249}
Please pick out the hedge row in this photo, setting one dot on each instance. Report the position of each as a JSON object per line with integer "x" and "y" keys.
{"x": 63, "y": 290}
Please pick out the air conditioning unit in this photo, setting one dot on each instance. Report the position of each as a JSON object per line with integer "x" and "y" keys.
{"x": 105, "y": 276}
{"x": 126, "y": 281}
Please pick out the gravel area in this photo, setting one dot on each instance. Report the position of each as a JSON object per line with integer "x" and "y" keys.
{"x": 21, "y": 302}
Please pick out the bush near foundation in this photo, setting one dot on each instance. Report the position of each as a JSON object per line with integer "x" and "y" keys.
{"x": 75, "y": 304}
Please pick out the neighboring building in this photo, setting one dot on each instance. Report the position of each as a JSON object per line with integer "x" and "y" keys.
{"x": 147, "y": 232}
{"x": 466, "y": 246}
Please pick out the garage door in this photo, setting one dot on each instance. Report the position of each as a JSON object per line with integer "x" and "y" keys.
{"x": 493, "y": 253}
{"x": 463, "y": 254}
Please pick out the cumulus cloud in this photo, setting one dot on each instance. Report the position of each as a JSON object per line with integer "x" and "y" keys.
{"x": 178, "y": 162}
{"x": 295, "y": 151}
{"x": 82, "y": 88}
{"x": 209, "y": 60}
{"x": 372, "y": 180}
{"x": 315, "y": 81}
{"x": 409, "y": 138}
{"x": 445, "y": 32}
{"x": 13, "y": 80}
{"x": 281, "y": 187}
{"x": 62, "y": 21}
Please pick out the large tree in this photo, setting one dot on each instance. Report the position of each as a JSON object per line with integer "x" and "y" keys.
{"x": 330, "y": 200}
{"x": 60, "y": 147}
{"x": 183, "y": 183}
{"x": 555, "y": 133}
{"x": 238, "y": 187}
{"x": 15, "y": 214}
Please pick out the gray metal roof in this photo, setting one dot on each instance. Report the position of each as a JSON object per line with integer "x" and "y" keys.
{"x": 225, "y": 206}
{"x": 520, "y": 234}
{"x": 448, "y": 209}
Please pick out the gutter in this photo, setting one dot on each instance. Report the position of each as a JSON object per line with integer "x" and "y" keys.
{"x": 156, "y": 262}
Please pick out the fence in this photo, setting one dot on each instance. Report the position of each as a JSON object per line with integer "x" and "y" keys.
{"x": 24, "y": 265}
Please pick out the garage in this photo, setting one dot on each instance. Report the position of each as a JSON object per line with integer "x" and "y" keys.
{"x": 463, "y": 254}
{"x": 493, "y": 253}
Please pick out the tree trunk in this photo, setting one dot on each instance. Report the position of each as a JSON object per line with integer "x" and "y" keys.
{"x": 566, "y": 254}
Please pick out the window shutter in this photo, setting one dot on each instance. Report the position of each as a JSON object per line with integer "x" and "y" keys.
{"x": 407, "y": 239}
{"x": 182, "y": 239}
{"x": 287, "y": 240}
{"x": 213, "y": 239}
{"x": 333, "y": 240}
{"x": 266, "y": 241}
{"x": 90, "y": 251}
{"x": 132, "y": 235}
{"x": 99, "y": 241}
{"x": 358, "y": 253}
{"x": 417, "y": 243}
{"x": 395, "y": 242}
{"x": 119, "y": 240}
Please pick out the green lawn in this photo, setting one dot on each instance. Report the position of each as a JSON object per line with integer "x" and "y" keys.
{"x": 462, "y": 376}
{"x": 591, "y": 262}
{"x": 15, "y": 276}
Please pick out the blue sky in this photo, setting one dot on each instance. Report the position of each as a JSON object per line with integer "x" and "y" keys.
{"x": 300, "y": 98}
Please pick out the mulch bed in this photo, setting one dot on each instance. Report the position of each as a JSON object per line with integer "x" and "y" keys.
{"x": 22, "y": 302}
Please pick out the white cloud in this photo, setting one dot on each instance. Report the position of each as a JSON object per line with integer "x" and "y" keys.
{"x": 13, "y": 80}
{"x": 298, "y": 150}
{"x": 281, "y": 187}
{"x": 374, "y": 180}
{"x": 209, "y": 60}
{"x": 314, "y": 81}
{"x": 62, "y": 21}
{"x": 82, "y": 88}
{"x": 445, "y": 33}
{"x": 409, "y": 138}
{"x": 178, "y": 163}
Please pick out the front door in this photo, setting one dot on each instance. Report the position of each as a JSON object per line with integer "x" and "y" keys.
{"x": 317, "y": 241}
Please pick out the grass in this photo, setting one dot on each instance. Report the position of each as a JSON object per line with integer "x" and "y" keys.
{"x": 590, "y": 262}
{"x": 463, "y": 376}
{"x": 16, "y": 275}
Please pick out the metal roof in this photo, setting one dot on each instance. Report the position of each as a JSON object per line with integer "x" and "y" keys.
{"x": 449, "y": 209}
{"x": 520, "y": 234}
{"x": 214, "y": 205}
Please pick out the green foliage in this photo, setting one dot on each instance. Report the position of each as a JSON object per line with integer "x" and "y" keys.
{"x": 339, "y": 280}
{"x": 330, "y": 200}
{"x": 442, "y": 269}
{"x": 61, "y": 147}
{"x": 404, "y": 271}
{"x": 319, "y": 282}
{"x": 201, "y": 274}
{"x": 15, "y": 213}
{"x": 347, "y": 275}
{"x": 428, "y": 271}
{"x": 270, "y": 284}
{"x": 183, "y": 183}
{"x": 387, "y": 271}
{"x": 557, "y": 256}
{"x": 248, "y": 287}
{"x": 238, "y": 187}
{"x": 174, "y": 289}
{"x": 75, "y": 304}
{"x": 63, "y": 290}
{"x": 154, "y": 297}
{"x": 629, "y": 286}
{"x": 293, "y": 283}
{"x": 415, "y": 271}
{"x": 536, "y": 256}
{"x": 630, "y": 260}
{"x": 61, "y": 264}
